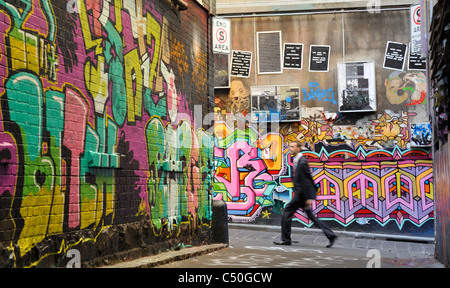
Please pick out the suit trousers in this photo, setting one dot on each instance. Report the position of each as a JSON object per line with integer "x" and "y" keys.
{"x": 286, "y": 220}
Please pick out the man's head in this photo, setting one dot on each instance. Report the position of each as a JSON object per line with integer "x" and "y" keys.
{"x": 295, "y": 147}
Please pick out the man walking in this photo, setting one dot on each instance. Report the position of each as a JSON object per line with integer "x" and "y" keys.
{"x": 304, "y": 195}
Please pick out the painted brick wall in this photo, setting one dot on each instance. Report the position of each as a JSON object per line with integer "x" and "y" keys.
{"x": 99, "y": 148}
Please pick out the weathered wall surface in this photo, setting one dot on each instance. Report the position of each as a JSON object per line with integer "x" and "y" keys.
{"x": 441, "y": 160}
{"x": 439, "y": 75}
{"x": 99, "y": 148}
{"x": 374, "y": 179}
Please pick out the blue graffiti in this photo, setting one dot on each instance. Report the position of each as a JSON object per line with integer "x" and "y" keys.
{"x": 326, "y": 95}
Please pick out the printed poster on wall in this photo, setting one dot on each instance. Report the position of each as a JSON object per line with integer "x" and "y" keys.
{"x": 416, "y": 62}
{"x": 241, "y": 63}
{"x": 395, "y": 56}
{"x": 293, "y": 56}
{"x": 319, "y": 58}
{"x": 269, "y": 52}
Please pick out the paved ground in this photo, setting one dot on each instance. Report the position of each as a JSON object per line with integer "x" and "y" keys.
{"x": 255, "y": 249}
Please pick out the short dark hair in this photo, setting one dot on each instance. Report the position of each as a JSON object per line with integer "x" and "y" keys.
{"x": 296, "y": 142}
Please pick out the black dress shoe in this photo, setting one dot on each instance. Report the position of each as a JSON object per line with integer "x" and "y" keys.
{"x": 282, "y": 243}
{"x": 332, "y": 240}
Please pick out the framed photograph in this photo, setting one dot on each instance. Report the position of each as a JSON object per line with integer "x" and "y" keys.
{"x": 357, "y": 87}
{"x": 277, "y": 103}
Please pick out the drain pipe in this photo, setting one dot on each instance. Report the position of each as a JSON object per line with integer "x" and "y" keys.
{"x": 341, "y": 11}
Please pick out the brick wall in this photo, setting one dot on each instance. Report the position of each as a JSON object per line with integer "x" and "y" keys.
{"x": 100, "y": 151}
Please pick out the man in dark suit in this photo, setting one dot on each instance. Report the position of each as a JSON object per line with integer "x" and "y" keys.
{"x": 304, "y": 195}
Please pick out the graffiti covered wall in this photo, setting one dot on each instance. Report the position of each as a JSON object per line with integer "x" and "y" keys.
{"x": 96, "y": 97}
{"x": 356, "y": 182}
{"x": 373, "y": 169}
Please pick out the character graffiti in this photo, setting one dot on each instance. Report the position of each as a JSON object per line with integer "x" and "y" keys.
{"x": 401, "y": 86}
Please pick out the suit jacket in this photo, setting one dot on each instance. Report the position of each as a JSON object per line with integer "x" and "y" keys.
{"x": 304, "y": 186}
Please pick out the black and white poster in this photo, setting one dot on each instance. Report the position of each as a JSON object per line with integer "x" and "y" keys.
{"x": 416, "y": 62}
{"x": 395, "y": 56}
{"x": 241, "y": 63}
{"x": 293, "y": 56}
{"x": 269, "y": 52}
{"x": 319, "y": 60}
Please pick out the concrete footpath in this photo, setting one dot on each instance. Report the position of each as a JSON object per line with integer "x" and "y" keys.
{"x": 251, "y": 246}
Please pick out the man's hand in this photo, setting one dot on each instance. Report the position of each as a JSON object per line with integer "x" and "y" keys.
{"x": 308, "y": 203}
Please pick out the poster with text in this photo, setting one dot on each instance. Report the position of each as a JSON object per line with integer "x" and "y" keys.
{"x": 241, "y": 63}
{"x": 293, "y": 56}
{"x": 319, "y": 58}
{"x": 395, "y": 55}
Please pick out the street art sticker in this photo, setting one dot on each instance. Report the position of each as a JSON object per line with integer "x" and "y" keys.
{"x": 421, "y": 135}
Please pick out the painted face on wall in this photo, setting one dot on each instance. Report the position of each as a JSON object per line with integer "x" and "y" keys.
{"x": 402, "y": 86}
{"x": 238, "y": 98}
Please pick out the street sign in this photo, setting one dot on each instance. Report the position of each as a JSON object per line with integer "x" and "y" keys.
{"x": 415, "y": 29}
{"x": 221, "y": 35}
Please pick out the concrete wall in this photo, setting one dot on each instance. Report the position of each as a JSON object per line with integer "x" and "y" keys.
{"x": 94, "y": 104}
{"x": 375, "y": 180}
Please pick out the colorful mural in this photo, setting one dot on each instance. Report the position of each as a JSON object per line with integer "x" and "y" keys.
{"x": 93, "y": 103}
{"x": 360, "y": 179}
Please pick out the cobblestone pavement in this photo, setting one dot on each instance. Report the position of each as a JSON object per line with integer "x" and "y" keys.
{"x": 255, "y": 249}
